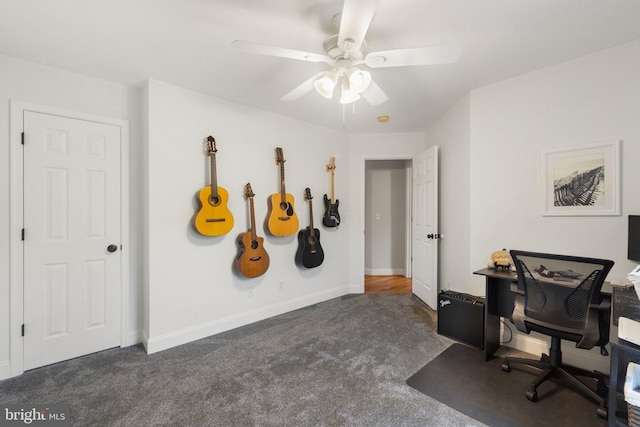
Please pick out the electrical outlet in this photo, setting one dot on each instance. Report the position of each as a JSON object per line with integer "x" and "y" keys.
{"x": 281, "y": 286}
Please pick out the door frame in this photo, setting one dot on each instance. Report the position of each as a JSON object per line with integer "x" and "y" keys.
{"x": 361, "y": 204}
{"x": 16, "y": 215}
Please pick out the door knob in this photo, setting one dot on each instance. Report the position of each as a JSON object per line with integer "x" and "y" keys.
{"x": 112, "y": 248}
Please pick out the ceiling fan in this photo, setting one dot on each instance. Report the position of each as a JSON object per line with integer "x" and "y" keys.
{"x": 345, "y": 51}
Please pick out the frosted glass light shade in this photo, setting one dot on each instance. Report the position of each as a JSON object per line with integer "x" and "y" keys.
{"x": 326, "y": 84}
{"x": 359, "y": 80}
{"x": 348, "y": 95}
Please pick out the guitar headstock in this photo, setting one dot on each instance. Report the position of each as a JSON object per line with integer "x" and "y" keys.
{"x": 279, "y": 156}
{"x": 307, "y": 194}
{"x": 248, "y": 192}
{"x": 332, "y": 164}
{"x": 211, "y": 145}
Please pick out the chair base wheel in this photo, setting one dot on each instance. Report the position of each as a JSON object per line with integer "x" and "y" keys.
{"x": 506, "y": 367}
{"x": 602, "y": 412}
{"x": 532, "y": 395}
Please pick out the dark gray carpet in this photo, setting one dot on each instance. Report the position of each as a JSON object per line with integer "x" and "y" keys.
{"x": 460, "y": 378}
{"x": 343, "y": 362}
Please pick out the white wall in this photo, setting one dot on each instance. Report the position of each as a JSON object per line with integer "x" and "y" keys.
{"x": 593, "y": 98}
{"x": 385, "y": 217}
{"x": 363, "y": 147}
{"x": 38, "y": 84}
{"x": 590, "y": 99}
{"x": 192, "y": 289}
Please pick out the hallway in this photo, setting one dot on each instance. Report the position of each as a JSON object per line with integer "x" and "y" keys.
{"x": 387, "y": 284}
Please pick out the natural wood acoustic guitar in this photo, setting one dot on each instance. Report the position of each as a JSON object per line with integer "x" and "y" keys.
{"x": 310, "y": 253}
{"x": 252, "y": 260}
{"x": 282, "y": 220}
{"x": 214, "y": 217}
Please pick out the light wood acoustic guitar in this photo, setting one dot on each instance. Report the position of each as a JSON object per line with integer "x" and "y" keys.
{"x": 282, "y": 220}
{"x": 310, "y": 253}
{"x": 331, "y": 217}
{"x": 214, "y": 217}
{"x": 252, "y": 260}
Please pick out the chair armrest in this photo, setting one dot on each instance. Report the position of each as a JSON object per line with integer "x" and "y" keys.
{"x": 605, "y": 305}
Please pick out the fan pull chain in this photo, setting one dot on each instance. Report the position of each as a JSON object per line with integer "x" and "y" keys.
{"x": 344, "y": 110}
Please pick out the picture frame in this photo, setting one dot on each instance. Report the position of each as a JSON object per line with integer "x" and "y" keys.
{"x": 582, "y": 180}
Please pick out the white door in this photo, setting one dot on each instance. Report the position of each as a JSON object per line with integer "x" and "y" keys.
{"x": 424, "y": 234}
{"x": 72, "y": 280}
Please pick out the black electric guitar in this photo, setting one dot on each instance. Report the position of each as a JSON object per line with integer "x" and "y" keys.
{"x": 310, "y": 253}
{"x": 331, "y": 216}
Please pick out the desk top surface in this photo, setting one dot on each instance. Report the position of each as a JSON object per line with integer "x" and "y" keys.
{"x": 511, "y": 275}
{"x": 498, "y": 274}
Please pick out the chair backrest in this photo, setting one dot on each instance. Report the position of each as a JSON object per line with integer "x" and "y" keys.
{"x": 559, "y": 293}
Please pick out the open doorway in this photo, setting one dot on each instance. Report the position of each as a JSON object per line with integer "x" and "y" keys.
{"x": 387, "y": 226}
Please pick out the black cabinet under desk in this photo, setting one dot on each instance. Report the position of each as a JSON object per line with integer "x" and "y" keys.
{"x": 499, "y": 300}
{"x": 625, "y": 303}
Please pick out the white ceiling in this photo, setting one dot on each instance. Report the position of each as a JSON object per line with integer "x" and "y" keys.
{"x": 187, "y": 43}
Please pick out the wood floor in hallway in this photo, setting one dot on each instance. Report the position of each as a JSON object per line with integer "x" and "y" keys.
{"x": 387, "y": 284}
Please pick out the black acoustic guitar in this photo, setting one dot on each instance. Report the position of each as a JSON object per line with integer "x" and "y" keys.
{"x": 310, "y": 253}
{"x": 331, "y": 217}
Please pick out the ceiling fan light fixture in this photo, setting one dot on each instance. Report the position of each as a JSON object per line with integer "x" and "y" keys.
{"x": 348, "y": 95}
{"x": 326, "y": 84}
{"x": 359, "y": 80}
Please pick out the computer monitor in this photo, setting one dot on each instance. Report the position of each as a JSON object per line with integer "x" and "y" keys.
{"x": 634, "y": 238}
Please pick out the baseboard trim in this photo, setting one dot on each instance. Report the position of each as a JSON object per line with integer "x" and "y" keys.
{"x": 384, "y": 271}
{"x": 5, "y": 369}
{"x": 173, "y": 339}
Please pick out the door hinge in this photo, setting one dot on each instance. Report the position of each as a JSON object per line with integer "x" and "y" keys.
{"x": 22, "y": 329}
{"x": 22, "y": 138}
{"x": 22, "y": 234}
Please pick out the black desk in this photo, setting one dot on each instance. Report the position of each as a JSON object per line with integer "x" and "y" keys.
{"x": 499, "y": 300}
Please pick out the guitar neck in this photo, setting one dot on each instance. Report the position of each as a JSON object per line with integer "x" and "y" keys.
{"x": 214, "y": 177}
{"x": 311, "y": 217}
{"x": 253, "y": 220}
{"x": 333, "y": 199}
{"x": 282, "y": 190}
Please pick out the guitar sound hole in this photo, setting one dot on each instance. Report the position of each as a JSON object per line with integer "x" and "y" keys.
{"x": 284, "y": 206}
{"x": 312, "y": 240}
{"x": 215, "y": 201}
{"x": 254, "y": 244}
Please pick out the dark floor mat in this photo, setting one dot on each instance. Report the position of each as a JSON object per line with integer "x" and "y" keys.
{"x": 460, "y": 378}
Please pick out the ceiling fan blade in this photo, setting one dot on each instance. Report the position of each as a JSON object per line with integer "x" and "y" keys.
{"x": 374, "y": 95}
{"x": 415, "y": 56}
{"x": 303, "y": 88}
{"x": 354, "y": 23}
{"x": 279, "y": 51}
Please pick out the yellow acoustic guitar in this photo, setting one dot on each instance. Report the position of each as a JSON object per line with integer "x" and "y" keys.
{"x": 214, "y": 218}
{"x": 283, "y": 220}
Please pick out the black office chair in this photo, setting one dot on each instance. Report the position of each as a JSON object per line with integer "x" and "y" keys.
{"x": 560, "y": 296}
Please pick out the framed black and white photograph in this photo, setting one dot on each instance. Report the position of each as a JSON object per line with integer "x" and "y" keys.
{"x": 582, "y": 180}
